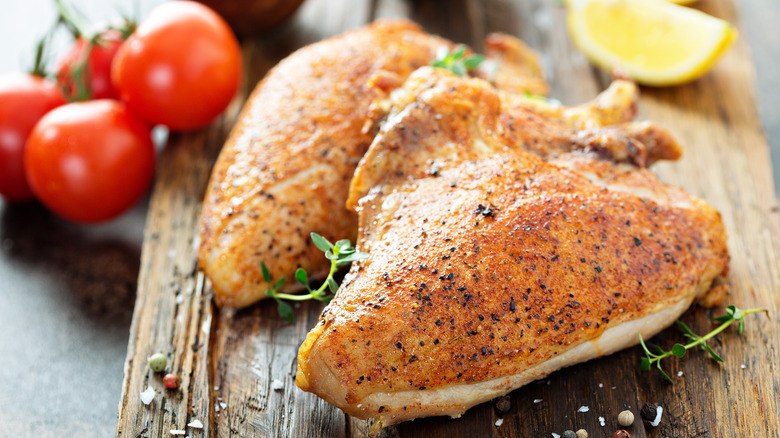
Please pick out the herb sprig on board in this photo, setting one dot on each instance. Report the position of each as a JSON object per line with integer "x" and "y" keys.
{"x": 732, "y": 314}
{"x": 339, "y": 254}
{"x": 456, "y": 61}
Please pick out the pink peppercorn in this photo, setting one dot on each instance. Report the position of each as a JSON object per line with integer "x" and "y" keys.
{"x": 171, "y": 381}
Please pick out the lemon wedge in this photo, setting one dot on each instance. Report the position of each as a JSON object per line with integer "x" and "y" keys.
{"x": 653, "y": 41}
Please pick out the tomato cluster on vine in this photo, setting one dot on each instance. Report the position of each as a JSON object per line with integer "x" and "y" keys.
{"x": 81, "y": 142}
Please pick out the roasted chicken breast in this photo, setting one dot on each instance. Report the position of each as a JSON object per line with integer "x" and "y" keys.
{"x": 285, "y": 169}
{"x": 506, "y": 239}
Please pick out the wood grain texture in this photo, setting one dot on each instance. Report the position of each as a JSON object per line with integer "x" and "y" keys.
{"x": 229, "y": 360}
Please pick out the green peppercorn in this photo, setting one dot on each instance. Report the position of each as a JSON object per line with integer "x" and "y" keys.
{"x": 157, "y": 362}
{"x": 569, "y": 434}
{"x": 171, "y": 381}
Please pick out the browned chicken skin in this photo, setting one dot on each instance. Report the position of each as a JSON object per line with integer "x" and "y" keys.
{"x": 285, "y": 170}
{"x": 507, "y": 239}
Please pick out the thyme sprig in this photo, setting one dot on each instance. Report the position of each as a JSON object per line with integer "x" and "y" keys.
{"x": 455, "y": 61}
{"x": 678, "y": 350}
{"x": 341, "y": 253}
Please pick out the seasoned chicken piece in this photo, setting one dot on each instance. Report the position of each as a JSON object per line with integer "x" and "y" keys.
{"x": 285, "y": 169}
{"x": 505, "y": 243}
{"x": 511, "y": 65}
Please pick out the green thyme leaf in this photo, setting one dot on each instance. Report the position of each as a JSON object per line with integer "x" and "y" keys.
{"x": 455, "y": 61}
{"x": 353, "y": 258}
{"x": 678, "y": 350}
{"x": 285, "y": 311}
{"x": 332, "y": 285}
{"x": 321, "y": 243}
{"x": 302, "y": 278}
{"x": 266, "y": 274}
{"x": 712, "y": 353}
{"x": 664, "y": 373}
{"x": 473, "y": 61}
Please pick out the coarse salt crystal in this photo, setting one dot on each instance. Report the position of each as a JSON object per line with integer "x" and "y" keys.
{"x": 601, "y": 385}
{"x": 658, "y": 413}
{"x": 147, "y": 396}
{"x": 216, "y": 408}
{"x": 206, "y": 326}
{"x": 195, "y": 424}
{"x": 601, "y": 421}
{"x": 499, "y": 422}
{"x": 277, "y": 385}
{"x": 679, "y": 373}
{"x": 742, "y": 366}
{"x": 537, "y": 400}
{"x": 222, "y": 405}
{"x": 555, "y": 435}
{"x": 583, "y": 409}
{"x": 177, "y": 432}
{"x": 179, "y": 298}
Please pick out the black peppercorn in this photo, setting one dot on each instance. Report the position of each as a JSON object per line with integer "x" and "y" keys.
{"x": 649, "y": 411}
{"x": 503, "y": 404}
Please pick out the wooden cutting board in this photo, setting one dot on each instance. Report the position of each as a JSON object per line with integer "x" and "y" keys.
{"x": 228, "y": 360}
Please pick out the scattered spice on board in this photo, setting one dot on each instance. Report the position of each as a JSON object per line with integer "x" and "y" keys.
{"x": 157, "y": 362}
{"x": 626, "y": 418}
{"x": 503, "y": 404}
{"x": 171, "y": 381}
{"x": 147, "y": 396}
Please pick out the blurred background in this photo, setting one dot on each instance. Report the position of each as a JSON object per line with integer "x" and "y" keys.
{"x": 66, "y": 290}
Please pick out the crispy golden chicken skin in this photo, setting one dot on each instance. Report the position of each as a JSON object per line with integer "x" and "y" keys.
{"x": 507, "y": 239}
{"x": 285, "y": 169}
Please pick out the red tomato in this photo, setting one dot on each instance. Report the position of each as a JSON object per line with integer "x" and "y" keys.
{"x": 89, "y": 161}
{"x": 180, "y": 68}
{"x": 92, "y": 72}
{"x": 24, "y": 99}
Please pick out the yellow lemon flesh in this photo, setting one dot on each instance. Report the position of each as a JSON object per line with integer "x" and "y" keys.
{"x": 653, "y": 41}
